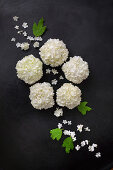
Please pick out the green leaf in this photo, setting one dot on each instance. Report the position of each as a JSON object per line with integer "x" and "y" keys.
{"x": 68, "y": 144}
{"x": 56, "y": 133}
{"x": 83, "y": 108}
{"x": 39, "y": 29}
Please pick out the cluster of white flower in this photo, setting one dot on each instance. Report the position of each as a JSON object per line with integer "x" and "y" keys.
{"x": 41, "y": 95}
{"x": 54, "y": 52}
{"x": 29, "y": 69}
{"x": 68, "y": 95}
{"x": 25, "y": 45}
{"x": 76, "y": 70}
{"x": 72, "y": 134}
{"x": 58, "y": 112}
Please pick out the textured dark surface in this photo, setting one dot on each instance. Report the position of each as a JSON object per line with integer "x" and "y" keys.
{"x": 87, "y": 29}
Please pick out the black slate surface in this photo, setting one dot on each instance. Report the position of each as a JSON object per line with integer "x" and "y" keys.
{"x": 87, "y": 29}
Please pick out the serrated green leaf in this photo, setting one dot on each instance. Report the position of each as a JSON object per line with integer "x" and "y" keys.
{"x": 83, "y": 108}
{"x": 39, "y": 29}
{"x": 56, "y": 134}
{"x": 68, "y": 144}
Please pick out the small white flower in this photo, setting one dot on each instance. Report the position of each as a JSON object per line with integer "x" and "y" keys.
{"x": 94, "y": 145}
{"x": 91, "y": 148}
{"x": 74, "y": 139}
{"x": 54, "y": 71}
{"x": 87, "y": 142}
{"x": 59, "y": 125}
{"x": 72, "y": 134}
{"x": 16, "y": 27}
{"x": 25, "y": 34}
{"x": 87, "y": 129}
{"x": 58, "y": 112}
{"x": 15, "y": 18}
{"x": 37, "y": 38}
{"x": 69, "y": 122}
{"x": 67, "y": 132}
{"x": 36, "y": 44}
{"x": 54, "y": 82}
{"x": 77, "y": 147}
{"x": 98, "y": 154}
{"x": 25, "y": 46}
{"x": 20, "y": 32}
{"x": 13, "y": 39}
{"x": 79, "y": 128}
{"x": 24, "y": 25}
{"x": 48, "y": 71}
{"x": 83, "y": 143}
{"x": 64, "y": 122}
{"x": 61, "y": 77}
{"x": 30, "y": 38}
{"x": 18, "y": 44}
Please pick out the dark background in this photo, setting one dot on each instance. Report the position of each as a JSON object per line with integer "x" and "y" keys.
{"x": 87, "y": 29}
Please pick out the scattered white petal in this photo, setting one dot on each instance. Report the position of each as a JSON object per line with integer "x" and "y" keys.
{"x": 13, "y": 39}
{"x": 79, "y": 128}
{"x": 54, "y": 82}
{"x": 91, "y": 148}
{"x": 48, "y": 71}
{"x": 20, "y": 32}
{"x": 94, "y": 145}
{"x": 24, "y": 25}
{"x": 61, "y": 77}
{"x": 18, "y": 44}
{"x": 30, "y": 38}
{"x": 87, "y": 129}
{"x": 69, "y": 123}
{"x": 36, "y": 44}
{"x": 98, "y": 154}
{"x": 54, "y": 71}
{"x": 83, "y": 143}
{"x": 58, "y": 112}
{"x": 87, "y": 142}
{"x": 38, "y": 38}
{"x": 16, "y": 27}
{"x": 59, "y": 125}
{"x": 74, "y": 139}
{"x": 25, "y": 34}
{"x": 72, "y": 134}
{"x": 15, "y": 18}
{"x": 25, "y": 46}
{"x": 77, "y": 147}
{"x": 64, "y": 122}
{"x": 67, "y": 132}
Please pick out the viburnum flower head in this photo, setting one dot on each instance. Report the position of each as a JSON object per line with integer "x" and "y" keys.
{"x": 76, "y": 70}
{"x": 29, "y": 69}
{"x": 68, "y": 95}
{"x": 41, "y": 95}
{"x": 54, "y": 52}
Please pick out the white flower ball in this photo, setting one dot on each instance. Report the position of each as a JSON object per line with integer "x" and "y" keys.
{"x": 54, "y": 52}
{"x": 41, "y": 95}
{"x": 68, "y": 95}
{"x": 29, "y": 69}
{"x": 76, "y": 70}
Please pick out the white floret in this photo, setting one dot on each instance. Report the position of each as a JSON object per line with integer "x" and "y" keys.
{"x": 54, "y": 52}
{"x": 76, "y": 70}
{"x": 58, "y": 112}
{"x": 29, "y": 69}
{"x": 25, "y": 46}
{"x": 68, "y": 95}
{"x": 41, "y": 96}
